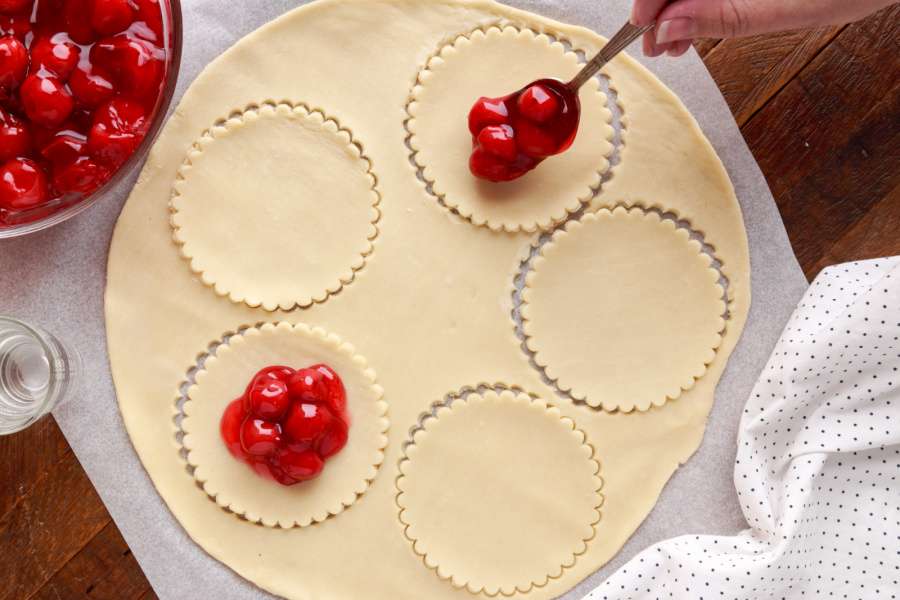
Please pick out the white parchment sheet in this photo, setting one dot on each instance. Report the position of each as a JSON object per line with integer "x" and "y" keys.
{"x": 56, "y": 278}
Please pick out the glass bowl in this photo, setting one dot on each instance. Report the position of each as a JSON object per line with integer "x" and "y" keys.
{"x": 64, "y": 208}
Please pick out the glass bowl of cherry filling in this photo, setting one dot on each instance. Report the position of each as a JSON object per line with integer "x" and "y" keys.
{"x": 84, "y": 87}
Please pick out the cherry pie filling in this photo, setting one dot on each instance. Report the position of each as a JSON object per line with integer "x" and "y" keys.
{"x": 80, "y": 82}
{"x": 512, "y": 135}
{"x": 288, "y": 422}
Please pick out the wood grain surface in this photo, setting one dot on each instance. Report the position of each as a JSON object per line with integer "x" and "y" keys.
{"x": 820, "y": 111}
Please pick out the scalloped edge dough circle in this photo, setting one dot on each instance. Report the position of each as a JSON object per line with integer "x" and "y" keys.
{"x": 499, "y": 513}
{"x": 234, "y": 485}
{"x": 313, "y": 192}
{"x": 446, "y": 89}
{"x": 667, "y": 310}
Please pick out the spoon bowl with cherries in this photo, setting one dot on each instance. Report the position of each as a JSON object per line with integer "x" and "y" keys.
{"x": 513, "y": 134}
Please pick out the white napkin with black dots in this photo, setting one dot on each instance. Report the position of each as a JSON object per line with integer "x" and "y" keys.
{"x": 818, "y": 464}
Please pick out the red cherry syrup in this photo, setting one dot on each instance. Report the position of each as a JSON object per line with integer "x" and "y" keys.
{"x": 288, "y": 422}
{"x": 512, "y": 135}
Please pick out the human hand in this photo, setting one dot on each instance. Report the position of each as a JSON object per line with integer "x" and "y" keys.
{"x": 679, "y": 22}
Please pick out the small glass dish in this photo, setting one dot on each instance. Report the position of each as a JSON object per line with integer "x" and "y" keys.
{"x": 37, "y": 373}
{"x": 63, "y": 208}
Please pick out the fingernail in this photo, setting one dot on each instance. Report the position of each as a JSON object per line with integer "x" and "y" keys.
{"x": 673, "y": 30}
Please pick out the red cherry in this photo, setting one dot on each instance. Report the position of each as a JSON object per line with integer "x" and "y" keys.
{"x": 137, "y": 64}
{"x": 15, "y": 139}
{"x": 488, "y": 111}
{"x": 535, "y": 141}
{"x": 111, "y": 16}
{"x": 82, "y": 119}
{"x": 269, "y": 400}
{"x": 46, "y": 100}
{"x": 15, "y": 7}
{"x": 64, "y": 147}
{"x": 500, "y": 141}
{"x": 57, "y": 55}
{"x": 299, "y": 466}
{"x": 230, "y": 428}
{"x": 82, "y": 176}
{"x": 270, "y": 469}
{"x": 334, "y": 439}
{"x": 76, "y": 15}
{"x": 13, "y": 63}
{"x": 306, "y": 422}
{"x": 91, "y": 85}
{"x": 259, "y": 437}
{"x": 18, "y": 26}
{"x": 264, "y": 375}
{"x": 485, "y": 165}
{"x": 49, "y": 16}
{"x": 296, "y": 446}
{"x": 44, "y": 136}
{"x": 150, "y": 15}
{"x": 538, "y": 104}
{"x": 22, "y": 185}
{"x": 119, "y": 126}
{"x": 280, "y": 373}
{"x": 336, "y": 395}
{"x": 308, "y": 385}
{"x": 262, "y": 467}
{"x": 149, "y": 19}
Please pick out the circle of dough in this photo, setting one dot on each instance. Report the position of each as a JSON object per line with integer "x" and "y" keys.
{"x": 623, "y": 310}
{"x": 496, "y": 63}
{"x": 232, "y": 483}
{"x": 499, "y": 513}
{"x": 276, "y": 207}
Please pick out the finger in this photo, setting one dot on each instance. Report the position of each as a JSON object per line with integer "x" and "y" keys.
{"x": 679, "y": 48}
{"x": 689, "y": 19}
{"x": 645, "y": 11}
{"x": 650, "y": 47}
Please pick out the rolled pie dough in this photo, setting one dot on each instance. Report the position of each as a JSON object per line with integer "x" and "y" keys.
{"x": 276, "y": 207}
{"x": 462, "y": 502}
{"x": 233, "y": 484}
{"x": 623, "y": 310}
{"x": 431, "y": 311}
{"x": 479, "y": 64}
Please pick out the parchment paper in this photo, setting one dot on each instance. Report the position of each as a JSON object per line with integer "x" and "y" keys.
{"x": 56, "y": 279}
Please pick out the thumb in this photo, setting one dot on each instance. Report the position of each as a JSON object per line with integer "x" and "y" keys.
{"x": 689, "y": 19}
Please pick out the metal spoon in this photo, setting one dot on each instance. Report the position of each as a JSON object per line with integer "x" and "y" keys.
{"x": 623, "y": 38}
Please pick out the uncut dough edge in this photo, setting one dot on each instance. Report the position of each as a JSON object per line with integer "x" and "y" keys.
{"x": 461, "y": 300}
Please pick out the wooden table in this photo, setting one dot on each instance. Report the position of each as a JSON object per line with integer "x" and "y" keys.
{"x": 821, "y": 113}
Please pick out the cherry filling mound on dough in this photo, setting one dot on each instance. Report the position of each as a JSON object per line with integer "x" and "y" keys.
{"x": 512, "y": 135}
{"x": 80, "y": 81}
{"x": 288, "y": 422}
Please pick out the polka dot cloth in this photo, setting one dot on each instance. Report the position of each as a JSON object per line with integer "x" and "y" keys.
{"x": 818, "y": 464}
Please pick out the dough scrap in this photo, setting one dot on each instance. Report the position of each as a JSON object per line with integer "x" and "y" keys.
{"x": 476, "y": 65}
{"x": 276, "y": 207}
{"x": 233, "y": 484}
{"x": 510, "y": 508}
{"x": 623, "y": 310}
